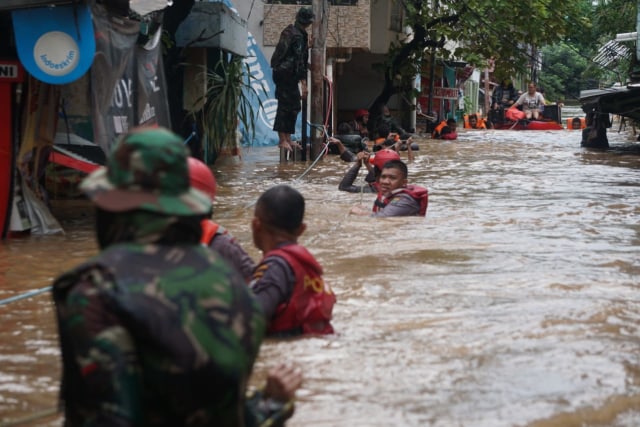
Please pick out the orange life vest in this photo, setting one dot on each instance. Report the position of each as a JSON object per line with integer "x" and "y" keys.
{"x": 479, "y": 124}
{"x": 209, "y": 230}
{"x": 381, "y": 141}
{"x": 438, "y": 129}
{"x": 583, "y": 123}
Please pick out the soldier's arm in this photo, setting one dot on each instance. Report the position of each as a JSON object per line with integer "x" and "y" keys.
{"x": 235, "y": 255}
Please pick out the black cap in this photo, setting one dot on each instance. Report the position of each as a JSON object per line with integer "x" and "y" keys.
{"x": 305, "y": 16}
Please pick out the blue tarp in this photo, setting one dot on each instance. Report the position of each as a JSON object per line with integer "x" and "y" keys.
{"x": 264, "y": 89}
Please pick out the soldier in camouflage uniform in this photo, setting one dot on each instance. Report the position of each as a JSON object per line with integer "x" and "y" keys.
{"x": 289, "y": 65}
{"x": 155, "y": 330}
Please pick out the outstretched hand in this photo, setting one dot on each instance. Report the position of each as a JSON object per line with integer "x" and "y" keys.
{"x": 282, "y": 382}
{"x": 359, "y": 210}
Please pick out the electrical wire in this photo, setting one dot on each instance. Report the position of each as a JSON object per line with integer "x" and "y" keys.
{"x": 25, "y": 295}
{"x": 253, "y": 2}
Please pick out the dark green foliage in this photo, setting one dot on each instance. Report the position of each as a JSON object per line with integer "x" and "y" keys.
{"x": 227, "y": 103}
{"x": 562, "y": 70}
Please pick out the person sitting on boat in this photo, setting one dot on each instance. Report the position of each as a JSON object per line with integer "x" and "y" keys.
{"x": 214, "y": 235}
{"x": 446, "y": 130}
{"x": 472, "y": 121}
{"x": 505, "y": 95}
{"x": 395, "y": 196}
{"x": 532, "y": 102}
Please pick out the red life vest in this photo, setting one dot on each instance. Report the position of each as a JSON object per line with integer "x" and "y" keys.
{"x": 209, "y": 230}
{"x": 419, "y": 193}
{"x": 311, "y": 305}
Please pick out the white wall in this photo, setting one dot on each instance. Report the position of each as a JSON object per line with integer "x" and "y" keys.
{"x": 253, "y": 11}
{"x": 380, "y": 34}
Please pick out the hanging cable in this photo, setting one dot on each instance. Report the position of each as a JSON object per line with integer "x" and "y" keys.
{"x": 28, "y": 294}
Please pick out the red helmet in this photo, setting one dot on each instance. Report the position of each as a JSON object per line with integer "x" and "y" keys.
{"x": 383, "y": 156}
{"x": 201, "y": 177}
{"x": 361, "y": 113}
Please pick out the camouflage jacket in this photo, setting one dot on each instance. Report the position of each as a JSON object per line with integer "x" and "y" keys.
{"x": 155, "y": 335}
{"x": 290, "y": 59}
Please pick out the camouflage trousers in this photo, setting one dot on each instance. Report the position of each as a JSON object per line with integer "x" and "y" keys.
{"x": 288, "y": 96}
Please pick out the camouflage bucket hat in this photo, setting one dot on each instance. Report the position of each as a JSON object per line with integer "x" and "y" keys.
{"x": 305, "y": 16}
{"x": 147, "y": 170}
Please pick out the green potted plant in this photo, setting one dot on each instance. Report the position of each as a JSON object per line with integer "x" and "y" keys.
{"x": 226, "y": 102}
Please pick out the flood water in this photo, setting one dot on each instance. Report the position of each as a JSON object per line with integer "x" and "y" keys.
{"x": 514, "y": 303}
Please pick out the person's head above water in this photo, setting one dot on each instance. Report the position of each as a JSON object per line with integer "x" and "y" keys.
{"x": 281, "y": 208}
{"x": 393, "y": 176}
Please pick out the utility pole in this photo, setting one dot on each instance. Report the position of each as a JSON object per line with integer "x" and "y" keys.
{"x": 487, "y": 88}
{"x": 432, "y": 69}
{"x": 318, "y": 66}
{"x": 489, "y": 68}
{"x": 432, "y": 73}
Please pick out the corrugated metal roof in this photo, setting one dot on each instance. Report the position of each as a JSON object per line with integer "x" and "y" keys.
{"x": 611, "y": 52}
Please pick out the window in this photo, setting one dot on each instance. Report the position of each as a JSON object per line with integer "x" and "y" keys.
{"x": 396, "y": 16}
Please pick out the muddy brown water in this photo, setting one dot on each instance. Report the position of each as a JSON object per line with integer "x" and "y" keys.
{"x": 514, "y": 303}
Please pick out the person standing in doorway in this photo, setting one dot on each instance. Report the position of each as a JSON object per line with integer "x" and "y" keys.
{"x": 289, "y": 65}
